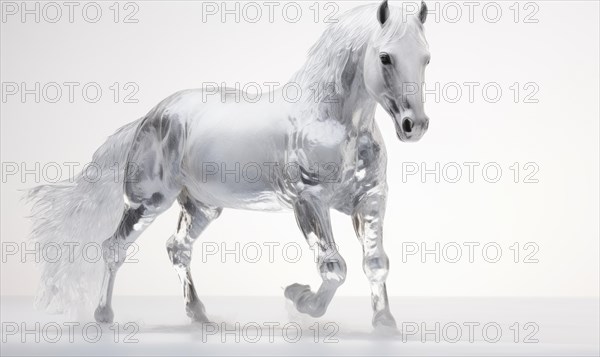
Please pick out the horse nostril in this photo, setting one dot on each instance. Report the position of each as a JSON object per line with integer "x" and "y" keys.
{"x": 407, "y": 125}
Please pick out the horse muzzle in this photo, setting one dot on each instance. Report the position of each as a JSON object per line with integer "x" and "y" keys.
{"x": 409, "y": 129}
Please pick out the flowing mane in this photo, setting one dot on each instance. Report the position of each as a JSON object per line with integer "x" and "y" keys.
{"x": 343, "y": 42}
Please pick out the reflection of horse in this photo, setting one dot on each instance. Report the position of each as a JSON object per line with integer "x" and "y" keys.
{"x": 369, "y": 56}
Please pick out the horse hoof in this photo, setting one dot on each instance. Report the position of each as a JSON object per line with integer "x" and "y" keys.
{"x": 383, "y": 321}
{"x": 304, "y": 300}
{"x": 196, "y": 313}
{"x": 200, "y": 320}
{"x": 104, "y": 315}
{"x": 294, "y": 291}
{"x": 198, "y": 317}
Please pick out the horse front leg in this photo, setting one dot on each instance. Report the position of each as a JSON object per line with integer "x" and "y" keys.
{"x": 313, "y": 218}
{"x": 367, "y": 219}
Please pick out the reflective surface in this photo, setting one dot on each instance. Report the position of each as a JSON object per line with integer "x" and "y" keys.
{"x": 308, "y": 152}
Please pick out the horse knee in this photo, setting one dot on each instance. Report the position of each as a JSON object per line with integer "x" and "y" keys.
{"x": 333, "y": 269}
{"x": 376, "y": 268}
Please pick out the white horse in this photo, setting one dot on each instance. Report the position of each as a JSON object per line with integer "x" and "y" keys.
{"x": 319, "y": 153}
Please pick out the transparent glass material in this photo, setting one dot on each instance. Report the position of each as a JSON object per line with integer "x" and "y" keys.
{"x": 308, "y": 153}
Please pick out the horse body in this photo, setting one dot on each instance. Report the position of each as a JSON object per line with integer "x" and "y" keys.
{"x": 310, "y": 155}
{"x": 226, "y": 142}
{"x": 260, "y": 156}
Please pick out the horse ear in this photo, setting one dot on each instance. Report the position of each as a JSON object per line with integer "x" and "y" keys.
{"x": 383, "y": 13}
{"x": 423, "y": 12}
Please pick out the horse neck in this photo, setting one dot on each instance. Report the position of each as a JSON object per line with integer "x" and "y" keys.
{"x": 356, "y": 105}
{"x": 353, "y": 107}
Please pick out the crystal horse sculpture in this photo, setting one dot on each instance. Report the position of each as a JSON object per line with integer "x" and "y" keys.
{"x": 321, "y": 152}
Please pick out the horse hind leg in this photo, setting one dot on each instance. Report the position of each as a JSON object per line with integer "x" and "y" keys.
{"x": 194, "y": 218}
{"x": 114, "y": 249}
{"x": 136, "y": 218}
{"x": 152, "y": 184}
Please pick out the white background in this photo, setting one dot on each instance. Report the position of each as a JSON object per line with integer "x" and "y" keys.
{"x": 171, "y": 48}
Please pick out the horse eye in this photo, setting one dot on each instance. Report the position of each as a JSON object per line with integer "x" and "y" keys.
{"x": 385, "y": 58}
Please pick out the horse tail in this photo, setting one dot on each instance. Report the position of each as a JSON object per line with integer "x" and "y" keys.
{"x": 71, "y": 219}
